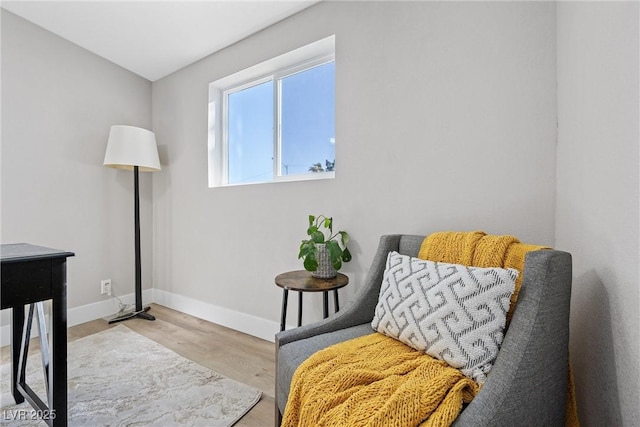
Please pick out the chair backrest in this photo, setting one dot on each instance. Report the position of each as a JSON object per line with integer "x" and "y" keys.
{"x": 528, "y": 382}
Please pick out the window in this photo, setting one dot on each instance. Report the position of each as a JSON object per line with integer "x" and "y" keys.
{"x": 275, "y": 121}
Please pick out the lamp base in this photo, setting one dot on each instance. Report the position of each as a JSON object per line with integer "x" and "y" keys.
{"x": 142, "y": 314}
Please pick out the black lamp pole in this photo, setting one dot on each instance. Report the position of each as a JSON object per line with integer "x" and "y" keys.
{"x": 136, "y": 215}
{"x": 139, "y": 311}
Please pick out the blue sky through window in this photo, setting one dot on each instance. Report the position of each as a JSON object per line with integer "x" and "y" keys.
{"x": 308, "y": 119}
{"x": 307, "y": 131}
{"x": 250, "y": 127}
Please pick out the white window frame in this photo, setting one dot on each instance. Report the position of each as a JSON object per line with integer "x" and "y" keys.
{"x": 299, "y": 60}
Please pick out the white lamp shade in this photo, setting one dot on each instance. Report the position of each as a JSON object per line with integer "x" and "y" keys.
{"x": 130, "y": 146}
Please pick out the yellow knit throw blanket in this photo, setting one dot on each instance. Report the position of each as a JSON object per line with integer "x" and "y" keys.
{"x": 375, "y": 380}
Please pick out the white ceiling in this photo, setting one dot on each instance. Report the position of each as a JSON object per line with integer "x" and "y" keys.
{"x": 155, "y": 38}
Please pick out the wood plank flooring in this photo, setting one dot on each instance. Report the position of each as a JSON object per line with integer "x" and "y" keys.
{"x": 239, "y": 356}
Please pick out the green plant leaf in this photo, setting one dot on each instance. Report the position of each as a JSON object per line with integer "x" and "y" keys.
{"x": 312, "y": 229}
{"x": 307, "y": 247}
{"x": 346, "y": 255}
{"x": 328, "y": 223}
{"x": 344, "y": 237}
{"x": 337, "y": 264}
{"x": 311, "y": 219}
{"x": 335, "y": 252}
{"x": 310, "y": 263}
{"x": 317, "y": 237}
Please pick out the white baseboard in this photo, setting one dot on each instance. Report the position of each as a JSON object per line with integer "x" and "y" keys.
{"x": 249, "y": 324}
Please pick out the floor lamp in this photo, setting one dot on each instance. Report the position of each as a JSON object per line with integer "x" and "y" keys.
{"x": 133, "y": 148}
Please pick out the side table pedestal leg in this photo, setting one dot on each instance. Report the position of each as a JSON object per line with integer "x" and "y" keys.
{"x": 283, "y": 314}
{"x": 325, "y": 304}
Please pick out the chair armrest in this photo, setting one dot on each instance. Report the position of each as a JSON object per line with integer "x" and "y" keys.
{"x": 362, "y": 307}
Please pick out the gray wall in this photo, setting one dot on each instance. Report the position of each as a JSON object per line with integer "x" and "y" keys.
{"x": 598, "y": 214}
{"x": 58, "y": 102}
{"x": 445, "y": 119}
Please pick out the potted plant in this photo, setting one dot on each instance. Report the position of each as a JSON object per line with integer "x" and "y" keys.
{"x": 324, "y": 251}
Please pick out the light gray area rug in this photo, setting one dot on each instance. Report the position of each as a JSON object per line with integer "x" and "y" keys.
{"x": 118, "y": 377}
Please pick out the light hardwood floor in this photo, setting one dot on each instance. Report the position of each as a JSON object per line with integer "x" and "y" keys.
{"x": 241, "y": 357}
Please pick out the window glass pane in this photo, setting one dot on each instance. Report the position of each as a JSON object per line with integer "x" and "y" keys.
{"x": 250, "y": 134}
{"x": 307, "y": 121}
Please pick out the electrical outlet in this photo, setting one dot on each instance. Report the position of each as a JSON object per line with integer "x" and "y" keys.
{"x": 105, "y": 287}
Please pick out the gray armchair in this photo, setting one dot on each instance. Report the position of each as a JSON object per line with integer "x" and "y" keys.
{"x": 528, "y": 383}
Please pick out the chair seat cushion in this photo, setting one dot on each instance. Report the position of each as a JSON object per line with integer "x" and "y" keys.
{"x": 291, "y": 355}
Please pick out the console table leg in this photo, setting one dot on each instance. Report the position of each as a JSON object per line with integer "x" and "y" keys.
{"x": 17, "y": 322}
{"x": 44, "y": 346}
{"x": 24, "y": 347}
{"x": 336, "y": 303}
{"x": 58, "y": 348}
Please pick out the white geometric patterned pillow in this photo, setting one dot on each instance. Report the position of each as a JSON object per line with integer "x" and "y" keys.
{"x": 452, "y": 312}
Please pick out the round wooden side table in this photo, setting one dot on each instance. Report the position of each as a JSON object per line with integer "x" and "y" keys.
{"x": 302, "y": 281}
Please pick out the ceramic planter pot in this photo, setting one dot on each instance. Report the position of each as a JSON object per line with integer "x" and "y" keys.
{"x": 325, "y": 268}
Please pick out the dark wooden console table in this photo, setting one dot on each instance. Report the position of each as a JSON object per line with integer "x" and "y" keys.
{"x": 302, "y": 281}
{"x": 32, "y": 274}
